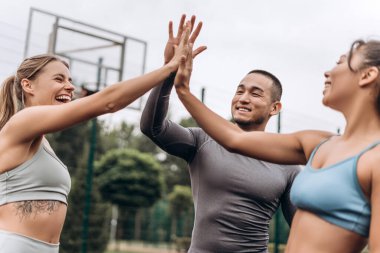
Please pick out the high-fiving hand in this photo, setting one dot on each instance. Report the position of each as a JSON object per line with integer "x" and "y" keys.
{"x": 182, "y": 78}
{"x": 173, "y": 41}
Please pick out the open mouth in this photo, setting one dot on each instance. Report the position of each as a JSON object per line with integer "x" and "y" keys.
{"x": 63, "y": 98}
{"x": 327, "y": 86}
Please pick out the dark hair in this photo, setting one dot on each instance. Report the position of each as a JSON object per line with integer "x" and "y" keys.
{"x": 371, "y": 54}
{"x": 11, "y": 95}
{"x": 277, "y": 87}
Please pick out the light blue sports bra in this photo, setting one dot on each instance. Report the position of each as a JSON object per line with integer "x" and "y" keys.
{"x": 334, "y": 193}
{"x": 43, "y": 177}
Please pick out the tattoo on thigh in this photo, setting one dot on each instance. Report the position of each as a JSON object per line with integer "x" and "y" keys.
{"x": 33, "y": 207}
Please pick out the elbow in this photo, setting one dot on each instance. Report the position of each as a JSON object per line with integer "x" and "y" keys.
{"x": 144, "y": 128}
{"x": 111, "y": 108}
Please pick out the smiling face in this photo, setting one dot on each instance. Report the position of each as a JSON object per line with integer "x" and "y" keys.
{"x": 341, "y": 82}
{"x": 52, "y": 86}
{"x": 253, "y": 104}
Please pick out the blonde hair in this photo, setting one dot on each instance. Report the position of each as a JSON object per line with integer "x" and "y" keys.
{"x": 11, "y": 93}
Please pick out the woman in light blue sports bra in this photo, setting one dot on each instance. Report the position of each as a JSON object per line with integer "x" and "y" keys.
{"x": 34, "y": 183}
{"x": 338, "y": 192}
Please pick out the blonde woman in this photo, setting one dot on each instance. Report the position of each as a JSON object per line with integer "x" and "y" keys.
{"x": 34, "y": 183}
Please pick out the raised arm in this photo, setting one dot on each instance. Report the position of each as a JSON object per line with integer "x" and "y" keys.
{"x": 50, "y": 118}
{"x": 278, "y": 148}
{"x": 169, "y": 136}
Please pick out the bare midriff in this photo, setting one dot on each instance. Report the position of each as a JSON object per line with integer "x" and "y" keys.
{"x": 311, "y": 234}
{"x": 38, "y": 219}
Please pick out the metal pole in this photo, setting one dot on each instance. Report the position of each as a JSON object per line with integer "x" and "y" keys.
{"x": 28, "y": 32}
{"x": 90, "y": 167}
{"x": 277, "y": 215}
{"x": 53, "y": 37}
{"x": 122, "y": 59}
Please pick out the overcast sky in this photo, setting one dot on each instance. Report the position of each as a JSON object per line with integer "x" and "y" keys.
{"x": 297, "y": 40}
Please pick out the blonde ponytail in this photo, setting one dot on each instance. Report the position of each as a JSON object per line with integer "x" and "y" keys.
{"x": 10, "y": 102}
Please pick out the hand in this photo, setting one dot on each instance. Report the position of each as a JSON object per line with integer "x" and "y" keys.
{"x": 174, "y": 40}
{"x": 182, "y": 50}
{"x": 182, "y": 78}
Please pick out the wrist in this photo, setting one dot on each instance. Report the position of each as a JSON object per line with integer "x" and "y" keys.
{"x": 171, "y": 66}
{"x": 182, "y": 91}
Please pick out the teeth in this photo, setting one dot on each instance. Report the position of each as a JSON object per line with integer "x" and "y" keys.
{"x": 64, "y": 98}
{"x": 243, "y": 109}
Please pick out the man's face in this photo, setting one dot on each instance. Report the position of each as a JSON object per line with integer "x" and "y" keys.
{"x": 252, "y": 103}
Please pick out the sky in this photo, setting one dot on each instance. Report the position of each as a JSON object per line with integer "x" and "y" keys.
{"x": 297, "y": 40}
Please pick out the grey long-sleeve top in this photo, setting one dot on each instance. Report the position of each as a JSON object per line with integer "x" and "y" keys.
{"x": 234, "y": 196}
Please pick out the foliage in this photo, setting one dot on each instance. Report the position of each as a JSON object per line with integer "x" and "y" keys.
{"x": 188, "y": 122}
{"x": 180, "y": 200}
{"x": 283, "y": 228}
{"x": 116, "y": 137}
{"x": 129, "y": 178}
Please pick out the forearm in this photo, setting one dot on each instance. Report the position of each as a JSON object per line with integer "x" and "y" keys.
{"x": 119, "y": 95}
{"x": 217, "y": 127}
{"x": 169, "y": 136}
{"x": 156, "y": 108}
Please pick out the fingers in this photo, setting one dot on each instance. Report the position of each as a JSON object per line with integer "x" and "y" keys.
{"x": 198, "y": 51}
{"x": 170, "y": 29}
{"x": 192, "y": 20}
{"x": 181, "y": 25}
{"x": 196, "y": 32}
{"x": 184, "y": 68}
{"x": 185, "y": 36}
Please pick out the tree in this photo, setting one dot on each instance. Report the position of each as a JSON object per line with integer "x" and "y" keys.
{"x": 180, "y": 201}
{"x": 116, "y": 137}
{"x": 188, "y": 122}
{"x": 130, "y": 179}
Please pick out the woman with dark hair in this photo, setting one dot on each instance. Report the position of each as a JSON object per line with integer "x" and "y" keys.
{"x": 338, "y": 192}
{"x": 34, "y": 183}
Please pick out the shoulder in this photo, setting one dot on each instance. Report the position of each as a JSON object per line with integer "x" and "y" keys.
{"x": 372, "y": 161}
{"x": 16, "y": 126}
{"x": 310, "y": 139}
{"x": 313, "y": 136}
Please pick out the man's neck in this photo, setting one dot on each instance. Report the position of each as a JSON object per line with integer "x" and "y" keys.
{"x": 252, "y": 127}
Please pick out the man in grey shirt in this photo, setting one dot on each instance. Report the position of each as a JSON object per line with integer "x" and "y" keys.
{"x": 234, "y": 196}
